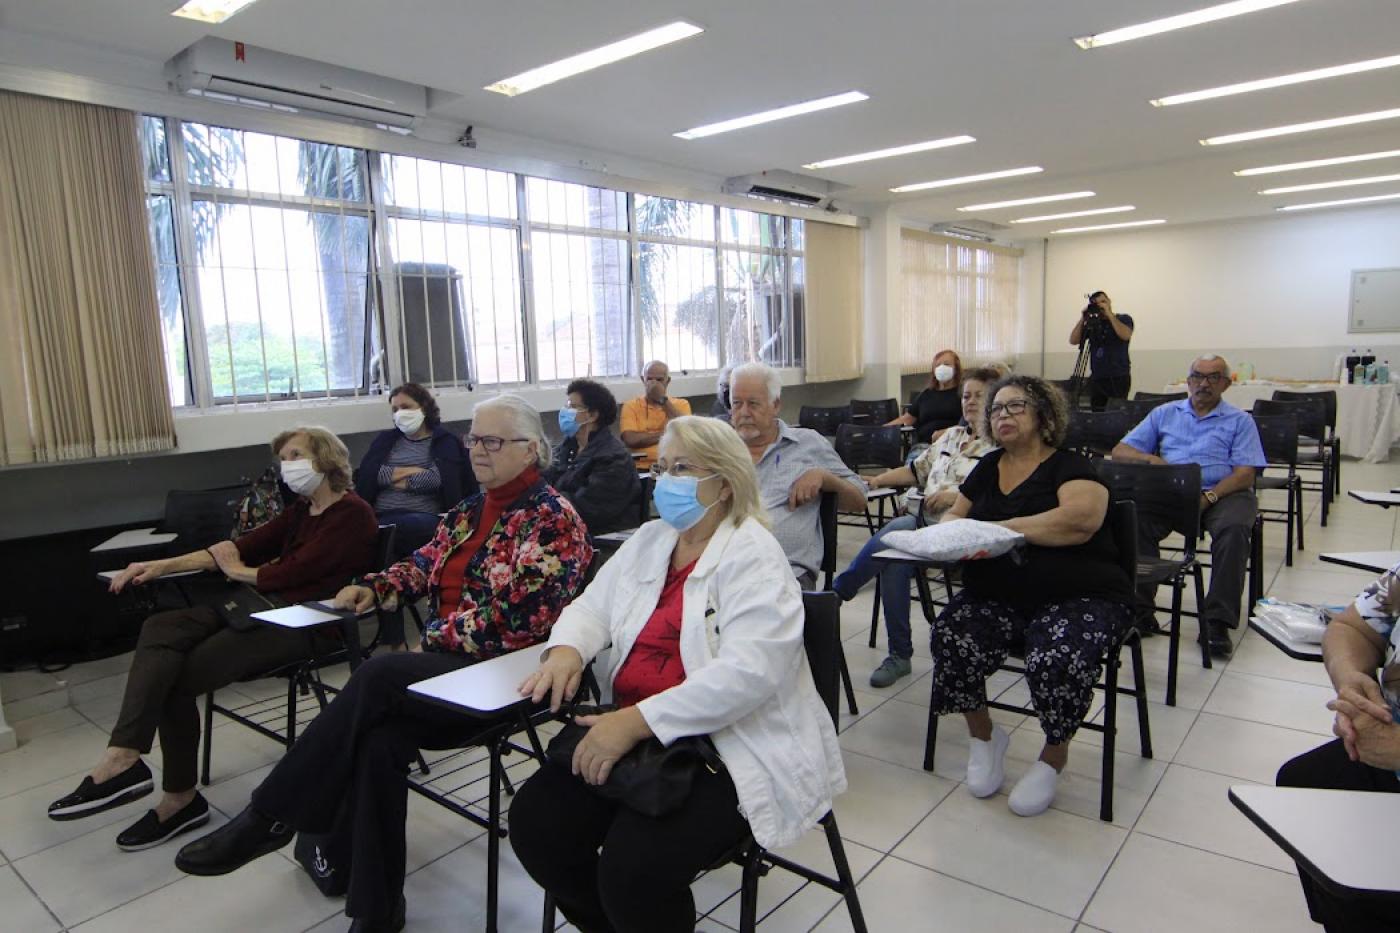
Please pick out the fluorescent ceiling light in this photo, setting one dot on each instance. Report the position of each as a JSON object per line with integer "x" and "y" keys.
{"x": 211, "y": 11}
{"x": 595, "y": 58}
{"x": 1021, "y": 202}
{"x": 1328, "y": 124}
{"x": 1135, "y": 223}
{"x": 1319, "y": 163}
{"x": 1316, "y": 204}
{"x": 892, "y": 152}
{"x": 768, "y": 116}
{"x": 1263, "y": 84}
{"x": 1167, "y": 24}
{"x": 1098, "y": 210}
{"x": 1344, "y": 183}
{"x": 968, "y": 179}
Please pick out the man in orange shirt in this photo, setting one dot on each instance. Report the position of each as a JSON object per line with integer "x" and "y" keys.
{"x": 645, "y": 418}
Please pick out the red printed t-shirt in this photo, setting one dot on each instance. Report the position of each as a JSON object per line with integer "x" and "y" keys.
{"x": 654, "y": 663}
{"x": 454, "y": 572}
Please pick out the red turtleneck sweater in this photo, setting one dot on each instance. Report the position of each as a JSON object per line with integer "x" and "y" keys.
{"x": 454, "y": 571}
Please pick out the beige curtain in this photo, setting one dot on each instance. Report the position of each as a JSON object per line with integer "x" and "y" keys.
{"x": 834, "y": 295}
{"x": 82, "y": 371}
{"x": 958, "y": 295}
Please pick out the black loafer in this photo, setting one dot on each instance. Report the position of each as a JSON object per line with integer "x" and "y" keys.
{"x": 247, "y": 836}
{"x": 150, "y": 831}
{"x": 394, "y": 923}
{"x": 1219, "y": 638}
{"x": 90, "y": 797}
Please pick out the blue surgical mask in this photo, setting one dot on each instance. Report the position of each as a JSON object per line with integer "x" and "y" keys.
{"x": 568, "y": 422}
{"x": 676, "y": 501}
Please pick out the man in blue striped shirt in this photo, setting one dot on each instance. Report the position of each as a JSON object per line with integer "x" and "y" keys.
{"x": 1206, "y": 429}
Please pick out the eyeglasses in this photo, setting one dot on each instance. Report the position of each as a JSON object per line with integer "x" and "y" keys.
{"x": 492, "y": 443}
{"x": 675, "y": 469}
{"x": 1017, "y": 406}
{"x": 1213, "y": 378}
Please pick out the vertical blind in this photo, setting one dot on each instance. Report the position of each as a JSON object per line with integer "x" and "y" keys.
{"x": 81, "y": 367}
{"x": 957, "y": 295}
{"x": 834, "y": 297}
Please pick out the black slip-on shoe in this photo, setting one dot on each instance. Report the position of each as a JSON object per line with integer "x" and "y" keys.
{"x": 1219, "y": 640}
{"x": 247, "y": 836}
{"x": 151, "y": 831}
{"x": 394, "y": 923}
{"x": 90, "y": 797}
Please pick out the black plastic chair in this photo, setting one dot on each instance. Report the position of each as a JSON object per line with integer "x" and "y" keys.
{"x": 1096, "y": 433}
{"x": 1329, "y": 408}
{"x": 1135, "y": 409}
{"x": 303, "y": 676}
{"x": 200, "y": 517}
{"x": 1314, "y": 451}
{"x": 1278, "y": 434}
{"x": 827, "y": 511}
{"x": 824, "y": 420}
{"x": 1171, "y": 493}
{"x": 1158, "y": 397}
{"x": 862, "y": 446}
{"x": 874, "y": 411}
{"x": 1122, "y": 520}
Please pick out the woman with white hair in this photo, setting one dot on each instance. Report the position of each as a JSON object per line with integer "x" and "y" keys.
{"x": 498, "y": 571}
{"x": 705, "y": 623}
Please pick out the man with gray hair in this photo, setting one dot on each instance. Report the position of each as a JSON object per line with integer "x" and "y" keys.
{"x": 795, "y": 466}
{"x": 1205, "y": 429}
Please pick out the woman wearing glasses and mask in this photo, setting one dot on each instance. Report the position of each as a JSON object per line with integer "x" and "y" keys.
{"x": 497, "y": 572}
{"x": 591, "y": 468}
{"x": 1065, "y": 593}
{"x": 705, "y": 623}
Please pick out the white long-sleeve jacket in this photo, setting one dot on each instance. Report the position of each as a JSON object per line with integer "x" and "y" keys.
{"x": 747, "y": 683}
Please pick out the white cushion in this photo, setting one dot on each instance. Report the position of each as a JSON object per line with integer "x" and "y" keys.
{"x": 959, "y": 539}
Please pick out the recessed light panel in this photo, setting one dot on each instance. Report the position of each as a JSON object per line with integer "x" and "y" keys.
{"x": 1135, "y": 223}
{"x": 1264, "y": 84}
{"x": 1022, "y": 202}
{"x": 1319, "y": 163}
{"x": 594, "y": 58}
{"x": 768, "y": 116}
{"x": 1291, "y": 128}
{"x": 892, "y": 152}
{"x": 1181, "y": 21}
{"x": 1120, "y": 209}
{"x": 211, "y": 11}
{"x": 968, "y": 179}
{"x": 1316, "y": 204}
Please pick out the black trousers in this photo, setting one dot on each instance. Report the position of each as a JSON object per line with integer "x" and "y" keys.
{"x": 1329, "y": 767}
{"x": 1103, "y": 388}
{"x": 612, "y": 869}
{"x": 1230, "y": 522}
{"x": 182, "y": 654}
{"x": 358, "y": 751}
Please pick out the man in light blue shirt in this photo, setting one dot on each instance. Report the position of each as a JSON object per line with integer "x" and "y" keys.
{"x": 1207, "y": 430}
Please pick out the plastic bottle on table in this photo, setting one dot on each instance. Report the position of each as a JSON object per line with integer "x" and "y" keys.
{"x": 1358, "y": 375}
{"x": 1383, "y": 373}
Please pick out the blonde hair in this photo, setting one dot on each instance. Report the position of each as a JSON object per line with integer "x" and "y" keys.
{"x": 328, "y": 454}
{"x": 714, "y": 445}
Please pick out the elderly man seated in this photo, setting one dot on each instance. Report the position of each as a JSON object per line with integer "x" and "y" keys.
{"x": 644, "y": 418}
{"x": 1360, "y": 641}
{"x": 795, "y": 466}
{"x": 1205, "y": 429}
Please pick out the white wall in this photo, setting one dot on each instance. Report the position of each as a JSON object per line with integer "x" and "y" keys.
{"x": 1272, "y": 291}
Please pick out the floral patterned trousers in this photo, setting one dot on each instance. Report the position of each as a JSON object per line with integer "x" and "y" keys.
{"x": 1064, "y": 646}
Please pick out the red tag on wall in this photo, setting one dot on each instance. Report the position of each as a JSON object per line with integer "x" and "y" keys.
{"x": 239, "y": 53}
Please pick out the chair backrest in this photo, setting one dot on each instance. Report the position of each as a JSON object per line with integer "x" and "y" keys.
{"x": 200, "y": 517}
{"x": 1169, "y": 493}
{"x": 1122, "y": 522}
{"x": 384, "y": 546}
{"x": 1139, "y": 408}
{"x": 646, "y": 483}
{"x": 874, "y": 411}
{"x": 824, "y": 420}
{"x": 1158, "y": 396}
{"x": 1095, "y": 433}
{"x": 827, "y": 510}
{"x": 1312, "y": 414}
{"x": 821, "y": 636}
{"x": 1279, "y": 436}
{"x": 1328, "y": 397}
{"x": 863, "y": 445}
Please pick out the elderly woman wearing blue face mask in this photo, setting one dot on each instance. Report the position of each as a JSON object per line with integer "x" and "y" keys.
{"x": 705, "y": 623}
{"x": 591, "y": 468}
{"x": 319, "y": 542}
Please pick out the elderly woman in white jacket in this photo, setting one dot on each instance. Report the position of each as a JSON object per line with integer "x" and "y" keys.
{"x": 704, "y": 620}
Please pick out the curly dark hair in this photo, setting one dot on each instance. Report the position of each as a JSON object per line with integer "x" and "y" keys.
{"x": 431, "y": 416}
{"x": 1048, "y": 402}
{"x": 596, "y": 398}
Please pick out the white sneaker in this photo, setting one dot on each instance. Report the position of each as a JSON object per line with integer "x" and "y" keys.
{"x": 1034, "y": 793}
{"x": 986, "y": 763}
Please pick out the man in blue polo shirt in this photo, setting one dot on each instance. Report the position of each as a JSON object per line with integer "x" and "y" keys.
{"x": 1206, "y": 429}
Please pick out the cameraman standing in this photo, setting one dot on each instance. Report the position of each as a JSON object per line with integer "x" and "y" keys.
{"x": 1110, "y": 370}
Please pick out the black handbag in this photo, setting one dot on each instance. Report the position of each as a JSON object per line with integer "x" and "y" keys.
{"x": 238, "y": 604}
{"x": 652, "y": 779}
{"x": 326, "y": 858}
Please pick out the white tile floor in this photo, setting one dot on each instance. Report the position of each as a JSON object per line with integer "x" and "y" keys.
{"x": 1176, "y": 857}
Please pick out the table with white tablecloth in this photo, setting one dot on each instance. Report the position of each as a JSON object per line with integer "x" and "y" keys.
{"x": 1368, "y": 416}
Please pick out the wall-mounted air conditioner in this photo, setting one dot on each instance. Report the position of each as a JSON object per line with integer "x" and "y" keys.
{"x": 226, "y": 69}
{"x": 983, "y": 231}
{"x": 778, "y": 185}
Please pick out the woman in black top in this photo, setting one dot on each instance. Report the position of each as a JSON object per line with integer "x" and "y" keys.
{"x": 591, "y": 468}
{"x": 1064, "y": 593}
{"x": 940, "y": 405}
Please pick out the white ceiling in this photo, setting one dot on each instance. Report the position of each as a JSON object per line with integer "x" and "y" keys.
{"x": 1004, "y": 71}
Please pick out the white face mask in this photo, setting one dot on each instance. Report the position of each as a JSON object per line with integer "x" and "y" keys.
{"x": 301, "y": 476}
{"x": 408, "y": 420}
{"x": 943, "y": 372}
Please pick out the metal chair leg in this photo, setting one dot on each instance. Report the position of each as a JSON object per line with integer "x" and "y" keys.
{"x": 549, "y": 921}
{"x": 875, "y": 612}
{"x": 748, "y": 892}
{"x": 208, "y": 734}
{"x": 843, "y": 872}
{"x": 846, "y": 683}
{"x": 1110, "y": 735}
{"x": 930, "y": 738}
{"x": 1199, "y": 576}
{"x": 1174, "y": 643}
{"x": 1140, "y": 682}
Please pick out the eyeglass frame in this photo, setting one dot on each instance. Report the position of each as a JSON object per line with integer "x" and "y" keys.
{"x": 1214, "y": 379}
{"x": 997, "y": 409}
{"x": 656, "y": 470}
{"x": 470, "y": 441}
